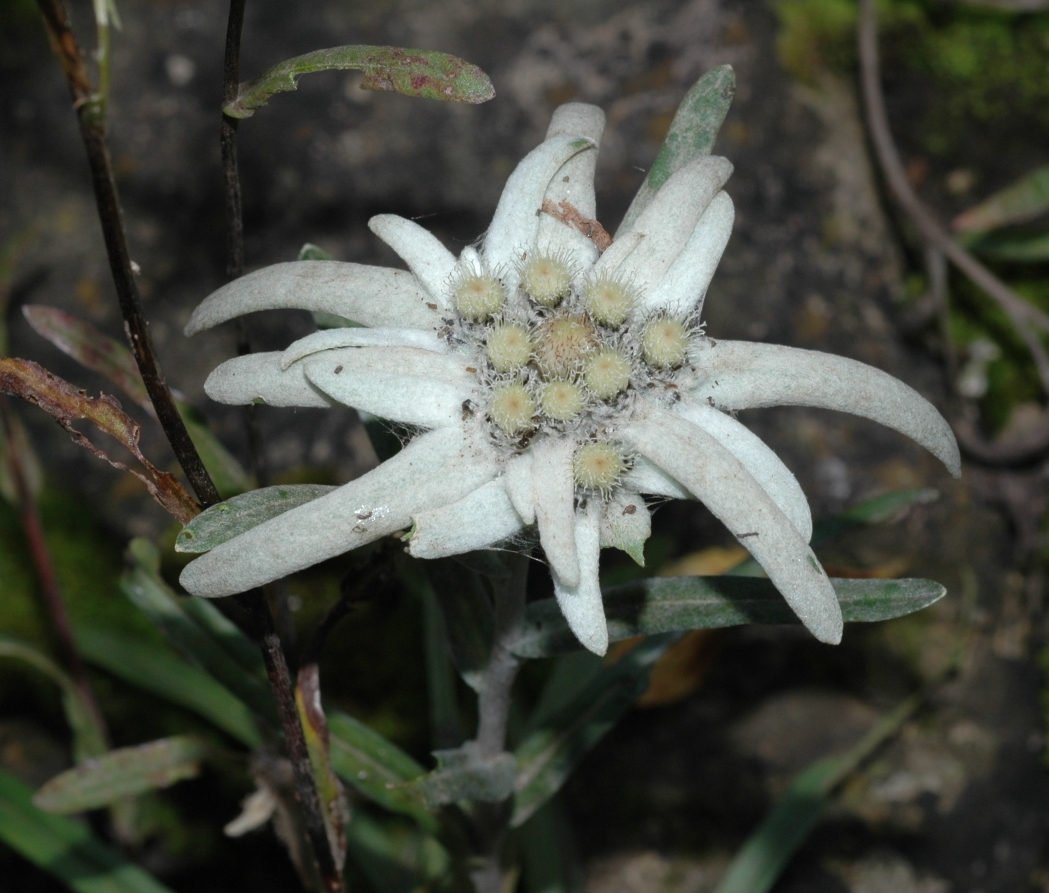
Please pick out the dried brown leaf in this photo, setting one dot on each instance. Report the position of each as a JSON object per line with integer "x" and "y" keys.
{"x": 67, "y": 404}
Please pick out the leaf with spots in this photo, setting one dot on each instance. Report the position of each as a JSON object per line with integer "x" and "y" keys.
{"x": 424, "y": 73}
{"x": 231, "y": 518}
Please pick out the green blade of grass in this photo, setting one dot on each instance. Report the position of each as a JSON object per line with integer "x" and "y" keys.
{"x": 64, "y": 848}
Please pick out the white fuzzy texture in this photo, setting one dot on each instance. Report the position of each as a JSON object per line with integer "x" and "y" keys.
{"x": 685, "y": 284}
{"x": 258, "y": 376}
{"x": 435, "y": 469}
{"x": 553, "y": 493}
{"x": 518, "y": 483}
{"x": 626, "y": 523}
{"x": 573, "y": 183}
{"x": 372, "y": 296}
{"x": 758, "y": 459}
{"x": 421, "y": 250}
{"x": 476, "y": 521}
{"x": 329, "y": 339}
{"x": 516, "y": 221}
{"x": 609, "y": 262}
{"x": 403, "y": 384}
{"x": 645, "y": 477}
{"x": 716, "y": 477}
{"x": 741, "y": 375}
{"x": 581, "y": 602}
{"x": 668, "y": 222}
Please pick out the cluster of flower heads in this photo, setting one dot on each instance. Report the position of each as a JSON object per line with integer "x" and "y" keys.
{"x": 557, "y": 377}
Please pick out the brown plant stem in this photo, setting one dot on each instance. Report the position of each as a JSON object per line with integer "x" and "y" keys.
{"x": 1023, "y": 315}
{"x": 254, "y": 601}
{"x": 45, "y": 571}
{"x": 90, "y": 117}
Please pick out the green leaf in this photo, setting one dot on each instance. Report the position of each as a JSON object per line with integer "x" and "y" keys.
{"x": 1019, "y": 202}
{"x": 377, "y": 767}
{"x": 445, "y": 722}
{"x": 423, "y": 73}
{"x": 125, "y": 772}
{"x": 143, "y": 585}
{"x": 394, "y": 857}
{"x": 166, "y": 675}
{"x": 89, "y": 739}
{"x": 666, "y": 604}
{"x": 463, "y": 774}
{"x": 64, "y": 848}
{"x": 768, "y": 850}
{"x": 468, "y": 616}
{"x": 229, "y": 475}
{"x": 228, "y": 519}
{"x": 692, "y": 133}
{"x": 1019, "y": 247}
{"x": 548, "y": 755}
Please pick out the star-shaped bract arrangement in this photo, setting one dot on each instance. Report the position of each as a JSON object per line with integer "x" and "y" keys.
{"x": 556, "y": 378}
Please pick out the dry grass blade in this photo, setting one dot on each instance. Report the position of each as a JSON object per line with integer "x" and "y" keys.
{"x": 68, "y": 404}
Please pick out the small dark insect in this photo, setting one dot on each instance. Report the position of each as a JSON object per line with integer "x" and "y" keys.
{"x": 471, "y": 369}
{"x": 630, "y": 509}
{"x": 468, "y": 409}
{"x": 338, "y": 369}
{"x": 431, "y": 306}
{"x": 363, "y": 514}
{"x": 710, "y": 400}
{"x": 564, "y": 179}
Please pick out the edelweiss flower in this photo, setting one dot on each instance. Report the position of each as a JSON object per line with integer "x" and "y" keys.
{"x": 554, "y": 383}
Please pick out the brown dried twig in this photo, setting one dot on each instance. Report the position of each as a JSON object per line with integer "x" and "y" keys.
{"x": 570, "y": 214}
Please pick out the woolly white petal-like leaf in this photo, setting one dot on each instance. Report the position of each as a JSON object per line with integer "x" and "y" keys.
{"x": 740, "y": 375}
{"x": 581, "y": 604}
{"x": 616, "y": 253}
{"x": 258, "y": 378}
{"x": 573, "y": 183}
{"x": 433, "y": 470}
{"x": 644, "y": 477}
{"x": 667, "y": 223}
{"x": 331, "y": 339}
{"x": 518, "y": 482}
{"x": 717, "y": 478}
{"x": 372, "y": 296}
{"x": 421, "y": 250}
{"x": 403, "y": 384}
{"x": 626, "y": 523}
{"x": 476, "y": 521}
{"x": 553, "y": 494}
{"x": 757, "y": 458}
{"x": 515, "y": 224}
{"x": 684, "y": 287}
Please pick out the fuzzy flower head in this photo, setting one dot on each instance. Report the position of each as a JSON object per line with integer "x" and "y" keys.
{"x": 555, "y": 383}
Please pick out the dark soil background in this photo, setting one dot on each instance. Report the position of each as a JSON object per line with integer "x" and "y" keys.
{"x": 959, "y": 801}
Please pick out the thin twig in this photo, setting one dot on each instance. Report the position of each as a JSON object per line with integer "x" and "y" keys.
{"x": 45, "y": 570}
{"x": 254, "y": 601}
{"x": 90, "y": 116}
{"x": 1022, "y": 314}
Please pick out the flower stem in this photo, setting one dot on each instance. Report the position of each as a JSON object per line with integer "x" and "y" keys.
{"x": 490, "y": 820}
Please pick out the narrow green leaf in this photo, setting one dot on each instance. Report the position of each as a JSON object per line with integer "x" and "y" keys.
{"x": 166, "y": 675}
{"x": 548, "y": 755}
{"x": 545, "y": 842}
{"x": 88, "y": 736}
{"x": 64, "y": 848}
{"x": 463, "y": 774}
{"x": 692, "y": 133}
{"x": 1019, "y": 202}
{"x": 377, "y": 767}
{"x": 210, "y": 619}
{"x": 666, "y": 604}
{"x": 445, "y": 721}
{"x": 1019, "y": 247}
{"x": 143, "y": 585}
{"x": 229, "y": 475}
{"x": 423, "y": 73}
{"x": 768, "y": 850}
{"x": 125, "y": 772}
{"x": 395, "y": 858}
{"x": 228, "y": 519}
{"x": 468, "y": 615}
